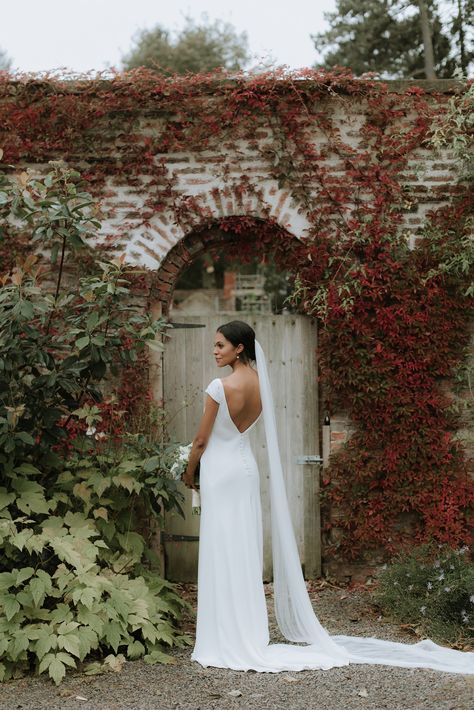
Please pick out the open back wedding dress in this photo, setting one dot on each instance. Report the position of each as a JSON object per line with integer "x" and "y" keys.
{"x": 232, "y": 623}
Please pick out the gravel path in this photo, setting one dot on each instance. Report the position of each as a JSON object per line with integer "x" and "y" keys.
{"x": 186, "y": 686}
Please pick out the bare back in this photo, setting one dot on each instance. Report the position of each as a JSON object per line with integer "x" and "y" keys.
{"x": 242, "y": 393}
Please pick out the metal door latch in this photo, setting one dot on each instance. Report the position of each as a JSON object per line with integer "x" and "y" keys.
{"x": 172, "y": 537}
{"x": 311, "y": 458}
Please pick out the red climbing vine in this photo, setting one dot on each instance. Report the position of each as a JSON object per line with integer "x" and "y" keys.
{"x": 394, "y": 320}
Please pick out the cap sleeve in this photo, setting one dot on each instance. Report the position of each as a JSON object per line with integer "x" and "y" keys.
{"x": 214, "y": 389}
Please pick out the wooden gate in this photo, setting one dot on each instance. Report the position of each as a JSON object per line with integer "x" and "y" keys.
{"x": 289, "y": 343}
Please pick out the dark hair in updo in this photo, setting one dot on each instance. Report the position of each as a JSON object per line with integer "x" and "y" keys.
{"x": 238, "y": 332}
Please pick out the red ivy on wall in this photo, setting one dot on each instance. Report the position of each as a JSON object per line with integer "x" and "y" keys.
{"x": 385, "y": 358}
{"x": 393, "y": 323}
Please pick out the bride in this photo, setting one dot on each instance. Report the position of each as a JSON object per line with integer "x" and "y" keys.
{"x": 232, "y": 624}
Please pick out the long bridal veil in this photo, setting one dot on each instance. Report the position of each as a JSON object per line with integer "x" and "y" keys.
{"x": 294, "y": 612}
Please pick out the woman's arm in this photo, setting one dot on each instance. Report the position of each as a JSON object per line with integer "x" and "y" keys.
{"x": 211, "y": 408}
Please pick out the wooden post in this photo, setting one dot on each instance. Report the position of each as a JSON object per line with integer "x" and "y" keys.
{"x": 312, "y": 521}
{"x": 326, "y": 440}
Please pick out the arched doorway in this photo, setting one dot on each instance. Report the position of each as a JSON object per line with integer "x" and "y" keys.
{"x": 187, "y": 366}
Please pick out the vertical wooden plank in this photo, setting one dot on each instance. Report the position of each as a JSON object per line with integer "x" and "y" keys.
{"x": 174, "y": 365}
{"x": 267, "y": 335}
{"x": 183, "y": 395}
{"x": 295, "y": 395}
{"x": 193, "y": 375}
{"x": 311, "y": 472}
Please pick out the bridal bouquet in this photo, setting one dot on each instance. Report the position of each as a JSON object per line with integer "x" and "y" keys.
{"x": 177, "y": 470}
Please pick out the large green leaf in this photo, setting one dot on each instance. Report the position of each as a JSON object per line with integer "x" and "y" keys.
{"x": 38, "y": 590}
{"x": 79, "y": 556}
{"x": 7, "y": 580}
{"x": 28, "y": 469}
{"x": 87, "y": 597}
{"x": 135, "y": 650}
{"x": 18, "y": 645}
{"x": 83, "y": 342}
{"x": 88, "y": 640}
{"x": 91, "y": 620}
{"x": 45, "y": 643}
{"x": 152, "y": 463}
{"x": 25, "y": 437}
{"x": 133, "y": 543}
{"x": 113, "y": 633}
{"x": 57, "y": 670}
{"x": 128, "y": 482}
{"x": 6, "y": 498}
{"x": 33, "y": 503}
{"x": 10, "y": 605}
{"x": 20, "y": 539}
{"x": 70, "y": 642}
{"x": 24, "y": 574}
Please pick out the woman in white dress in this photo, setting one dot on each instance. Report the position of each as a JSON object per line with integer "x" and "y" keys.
{"x": 232, "y": 623}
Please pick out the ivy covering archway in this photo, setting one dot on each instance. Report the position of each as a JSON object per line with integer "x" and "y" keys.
{"x": 394, "y": 321}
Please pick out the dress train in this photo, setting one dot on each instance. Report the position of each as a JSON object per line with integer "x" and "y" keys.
{"x": 232, "y": 622}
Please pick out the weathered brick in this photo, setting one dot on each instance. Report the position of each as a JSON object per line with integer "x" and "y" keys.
{"x": 213, "y": 174}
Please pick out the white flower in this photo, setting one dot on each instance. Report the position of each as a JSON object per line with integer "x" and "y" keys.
{"x": 429, "y": 585}
{"x": 422, "y": 609}
{"x": 441, "y": 577}
{"x": 464, "y": 616}
{"x": 182, "y": 456}
{"x": 436, "y": 563}
{"x": 447, "y": 589}
{"x": 91, "y": 431}
{"x": 410, "y": 587}
{"x": 471, "y": 598}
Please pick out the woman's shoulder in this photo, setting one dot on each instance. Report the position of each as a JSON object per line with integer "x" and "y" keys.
{"x": 216, "y": 382}
{"x": 214, "y": 389}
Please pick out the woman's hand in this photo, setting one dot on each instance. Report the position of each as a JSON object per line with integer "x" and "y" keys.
{"x": 188, "y": 480}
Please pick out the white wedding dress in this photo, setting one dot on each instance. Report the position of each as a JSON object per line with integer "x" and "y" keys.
{"x": 232, "y": 623}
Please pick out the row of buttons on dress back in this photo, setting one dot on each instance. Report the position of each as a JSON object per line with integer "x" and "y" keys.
{"x": 241, "y": 446}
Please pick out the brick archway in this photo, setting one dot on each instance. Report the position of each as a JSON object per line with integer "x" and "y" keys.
{"x": 188, "y": 249}
{"x": 165, "y": 231}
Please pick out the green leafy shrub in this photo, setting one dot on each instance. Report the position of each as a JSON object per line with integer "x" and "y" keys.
{"x": 78, "y": 507}
{"x": 74, "y": 583}
{"x": 431, "y": 586}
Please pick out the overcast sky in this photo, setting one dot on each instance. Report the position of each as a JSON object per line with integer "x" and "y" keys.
{"x": 82, "y": 35}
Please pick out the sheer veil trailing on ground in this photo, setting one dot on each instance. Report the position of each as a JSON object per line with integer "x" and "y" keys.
{"x": 294, "y": 612}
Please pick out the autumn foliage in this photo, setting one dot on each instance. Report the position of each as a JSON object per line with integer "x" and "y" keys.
{"x": 393, "y": 320}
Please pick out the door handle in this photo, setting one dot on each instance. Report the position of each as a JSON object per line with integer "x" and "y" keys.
{"x": 311, "y": 458}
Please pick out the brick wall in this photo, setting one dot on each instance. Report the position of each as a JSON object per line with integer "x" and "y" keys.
{"x": 164, "y": 243}
{"x": 212, "y": 177}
